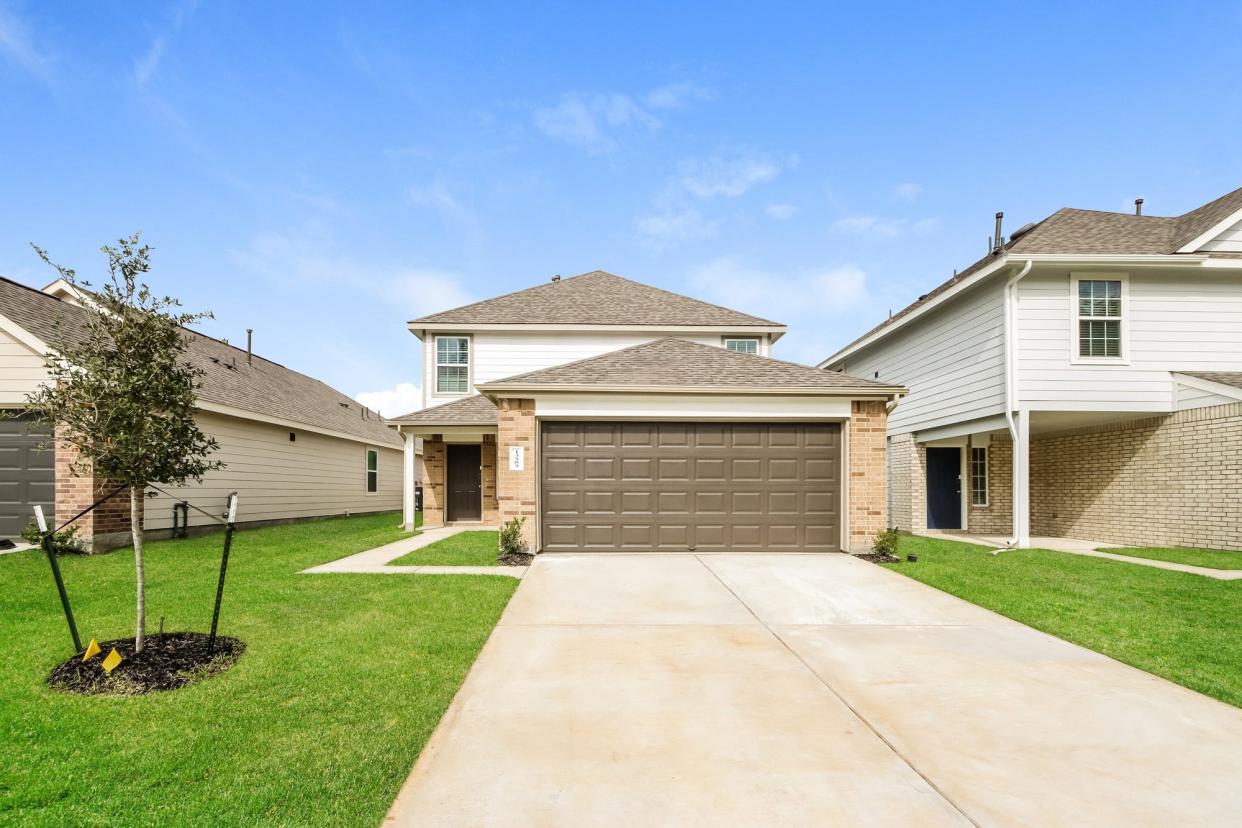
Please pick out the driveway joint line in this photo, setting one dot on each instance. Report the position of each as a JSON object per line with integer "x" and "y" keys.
{"x": 841, "y": 698}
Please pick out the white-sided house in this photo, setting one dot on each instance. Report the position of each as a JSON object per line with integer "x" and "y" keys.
{"x": 1088, "y": 371}
{"x": 294, "y": 447}
{"x": 613, "y": 415}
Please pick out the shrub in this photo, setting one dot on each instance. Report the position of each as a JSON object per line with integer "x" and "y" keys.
{"x": 511, "y": 537}
{"x": 886, "y": 542}
{"x": 65, "y": 542}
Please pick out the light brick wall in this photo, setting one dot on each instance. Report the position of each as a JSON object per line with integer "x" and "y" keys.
{"x": 433, "y": 482}
{"x": 904, "y": 482}
{"x": 868, "y": 473}
{"x": 1167, "y": 481}
{"x": 107, "y": 526}
{"x": 515, "y": 491}
{"x": 491, "y": 511}
{"x": 997, "y": 517}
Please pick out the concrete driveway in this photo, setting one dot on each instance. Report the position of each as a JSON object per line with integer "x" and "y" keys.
{"x": 805, "y": 690}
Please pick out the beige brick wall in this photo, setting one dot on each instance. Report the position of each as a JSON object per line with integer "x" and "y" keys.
{"x": 515, "y": 490}
{"x": 997, "y": 517}
{"x": 1168, "y": 481}
{"x": 433, "y": 482}
{"x": 905, "y": 481}
{"x": 491, "y": 510}
{"x": 107, "y": 526}
{"x": 868, "y": 473}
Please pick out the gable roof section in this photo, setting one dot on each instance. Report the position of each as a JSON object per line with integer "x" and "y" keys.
{"x": 595, "y": 298}
{"x": 1207, "y": 218}
{"x": 671, "y": 365}
{"x": 1231, "y": 378}
{"x": 473, "y": 410}
{"x": 263, "y": 388}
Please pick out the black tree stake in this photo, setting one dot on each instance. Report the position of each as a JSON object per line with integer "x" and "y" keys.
{"x": 224, "y": 565}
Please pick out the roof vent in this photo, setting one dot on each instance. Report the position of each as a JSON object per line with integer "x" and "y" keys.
{"x": 998, "y": 240}
{"x": 1138, "y": 206}
{"x": 1022, "y": 230}
{"x": 556, "y": 278}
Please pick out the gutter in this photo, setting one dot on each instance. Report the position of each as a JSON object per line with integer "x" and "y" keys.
{"x": 877, "y": 391}
{"x": 1011, "y": 379}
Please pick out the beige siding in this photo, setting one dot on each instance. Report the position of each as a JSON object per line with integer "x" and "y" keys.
{"x": 279, "y": 480}
{"x": 21, "y": 370}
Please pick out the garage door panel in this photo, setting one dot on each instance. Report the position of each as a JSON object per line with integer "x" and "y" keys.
{"x": 701, "y": 486}
{"x": 28, "y": 473}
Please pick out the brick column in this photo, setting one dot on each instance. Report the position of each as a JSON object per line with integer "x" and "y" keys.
{"x": 868, "y": 472}
{"x": 487, "y": 455}
{"x": 433, "y": 482}
{"x": 108, "y": 526}
{"x": 515, "y": 490}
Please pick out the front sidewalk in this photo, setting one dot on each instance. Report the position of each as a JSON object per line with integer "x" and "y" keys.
{"x": 375, "y": 561}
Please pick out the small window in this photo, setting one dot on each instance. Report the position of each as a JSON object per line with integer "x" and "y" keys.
{"x": 452, "y": 364}
{"x": 1099, "y": 318}
{"x": 742, "y": 346}
{"x": 979, "y": 477}
{"x": 372, "y": 471}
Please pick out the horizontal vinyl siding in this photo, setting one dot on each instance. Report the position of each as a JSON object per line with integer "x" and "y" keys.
{"x": 1229, "y": 241}
{"x": 280, "y": 480}
{"x": 21, "y": 370}
{"x": 1191, "y": 397}
{"x": 1177, "y": 321}
{"x": 952, "y": 360}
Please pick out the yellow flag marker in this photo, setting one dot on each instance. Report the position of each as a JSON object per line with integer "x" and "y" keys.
{"x": 110, "y": 663}
{"x": 92, "y": 650}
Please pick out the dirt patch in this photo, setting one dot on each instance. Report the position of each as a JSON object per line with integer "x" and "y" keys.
{"x": 166, "y": 662}
{"x": 879, "y": 557}
{"x": 515, "y": 559}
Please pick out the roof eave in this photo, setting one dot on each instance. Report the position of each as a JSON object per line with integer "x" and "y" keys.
{"x": 419, "y": 328}
{"x": 496, "y": 390}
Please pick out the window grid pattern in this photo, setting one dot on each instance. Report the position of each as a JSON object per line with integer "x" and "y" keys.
{"x": 979, "y": 477}
{"x": 1099, "y": 318}
{"x": 743, "y": 346}
{"x": 452, "y": 364}
{"x": 372, "y": 470}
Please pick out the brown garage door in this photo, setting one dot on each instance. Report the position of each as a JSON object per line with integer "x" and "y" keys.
{"x": 27, "y": 475}
{"x": 699, "y": 486}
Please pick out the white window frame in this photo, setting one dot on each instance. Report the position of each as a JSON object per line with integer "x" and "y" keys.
{"x": 987, "y": 482}
{"x": 1075, "y": 317}
{"x": 436, "y": 365}
{"x": 725, "y": 340}
{"x": 366, "y": 471}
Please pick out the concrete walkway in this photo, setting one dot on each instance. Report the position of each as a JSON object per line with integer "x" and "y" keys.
{"x": 1092, "y": 549}
{"x": 804, "y": 690}
{"x": 375, "y": 561}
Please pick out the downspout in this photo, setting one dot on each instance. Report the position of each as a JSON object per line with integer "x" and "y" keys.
{"x": 1011, "y": 381}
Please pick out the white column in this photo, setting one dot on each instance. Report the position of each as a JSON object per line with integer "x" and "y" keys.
{"x": 407, "y": 502}
{"x": 1022, "y": 481}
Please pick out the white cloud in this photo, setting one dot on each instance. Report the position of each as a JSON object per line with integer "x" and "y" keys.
{"x": 879, "y": 227}
{"x": 781, "y": 212}
{"x": 678, "y": 95}
{"x": 716, "y": 177}
{"x": 393, "y": 402}
{"x": 907, "y": 191}
{"x": 17, "y": 42}
{"x": 670, "y": 224}
{"x": 148, "y": 63}
{"x": 596, "y": 122}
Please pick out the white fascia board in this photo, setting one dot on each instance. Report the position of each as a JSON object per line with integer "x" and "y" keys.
{"x": 24, "y": 336}
{"x": 955, "y": 430}
{"x": 425, "y": 430}
{"x": 693, "y": 407}
{"x": 1137, "y": 260}
{"x": 495, "y": 390}
{"x": 243, "y": 414}
{"x": 1211, "y": 233}
{"x": 1208, "y": 385}
{"x": 966, "y": 283}
{"x": 419, "y": 329}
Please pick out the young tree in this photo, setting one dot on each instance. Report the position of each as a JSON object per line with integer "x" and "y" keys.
{"x": 121, "y": 391}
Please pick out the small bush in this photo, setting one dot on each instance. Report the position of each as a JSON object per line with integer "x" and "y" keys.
{"x": 511, "y": 542}
{"x": 885, "y": 542}
{"x": 65, "y": 542}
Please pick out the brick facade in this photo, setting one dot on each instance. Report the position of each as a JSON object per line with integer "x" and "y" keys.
{"x": 433, "y": 482}
{"x": 491, "y": 511}
{"x": 108, "y": 526}
{"x": 1163, "y": 481}
{"x": 907, "y": 502}
{"x": 867, "y": 473}
{"x": 997, "y": 517}
{"x": 515, "y": 490}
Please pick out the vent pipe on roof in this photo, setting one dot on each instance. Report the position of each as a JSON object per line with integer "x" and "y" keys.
{"x": 556, "y": 278}
{"x": 998, "y": 240}
{"x": 250, "y": 346}
{"x": 1138, "y": 206}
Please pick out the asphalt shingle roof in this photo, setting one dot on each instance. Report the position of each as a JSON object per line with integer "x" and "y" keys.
{"x": 474, "y": 410}
{"x": 1233, "y": 378}
{"x": 264, "y": 387}
{"x": 595, "y": 298}
{"x": 678, "y": 363}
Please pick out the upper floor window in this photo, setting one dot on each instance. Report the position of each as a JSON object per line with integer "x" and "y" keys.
{"x": 1100, "y": 308}
{"x": 372, "y": 471}
{"x": 742, "y": 345}
{"x": 452, "y": 364}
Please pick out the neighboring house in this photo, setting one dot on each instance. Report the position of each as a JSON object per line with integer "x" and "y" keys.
{"x": 294, "y": 447}
{"x": 1088, "y": 371}
{"x": 618, "y": 416}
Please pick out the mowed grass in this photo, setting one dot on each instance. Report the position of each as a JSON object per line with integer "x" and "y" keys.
{"x": 343, "y": 681}
{"x": 462, "y": 549}
{"x": 1211, "y": 558}
{"x": 1180, "y": 626}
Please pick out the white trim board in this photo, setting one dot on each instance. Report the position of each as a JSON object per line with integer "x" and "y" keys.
{"x": 689, "y": 407}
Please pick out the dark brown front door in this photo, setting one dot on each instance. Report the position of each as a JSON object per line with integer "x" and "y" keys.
{"x": 465, "y": 482}
{"x": 706, "y": 487}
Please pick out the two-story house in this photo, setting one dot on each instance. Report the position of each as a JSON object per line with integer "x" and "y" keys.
{"x": 1084, "y": 379}
{"x": 618, "y": 416}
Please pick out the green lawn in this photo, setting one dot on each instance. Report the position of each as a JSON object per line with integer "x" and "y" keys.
{"x": 1211, "y": 558}
{"x": 1180, "y": 626}
{"x": 343, "y": 681}
{"x": 462, "y": 549}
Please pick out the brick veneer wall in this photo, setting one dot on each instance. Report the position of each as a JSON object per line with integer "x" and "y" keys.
{"x": 106, "y": 527}
{"x": 997, "y": 517}
{"x": 1168, "y": 481}
{"x": 491, "y": 511}
{"x": 903, "y": 460}
{"x": 433, "y": 482}
{"x": 868, "y": 473}
{"x": 515, "y": 491}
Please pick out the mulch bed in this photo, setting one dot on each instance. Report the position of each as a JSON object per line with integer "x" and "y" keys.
{"x": 515, "y": 559}
{"x": 879, "y": 557}
{"x": 166, "y": 662}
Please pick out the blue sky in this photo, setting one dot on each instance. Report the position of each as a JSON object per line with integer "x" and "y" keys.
{"x": 324, "y": 172}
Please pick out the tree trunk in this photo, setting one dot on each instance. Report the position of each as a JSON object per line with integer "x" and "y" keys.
{"x": 135, "y": 519}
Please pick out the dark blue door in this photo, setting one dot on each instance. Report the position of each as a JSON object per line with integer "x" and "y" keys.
{"x": 944, "y": 488}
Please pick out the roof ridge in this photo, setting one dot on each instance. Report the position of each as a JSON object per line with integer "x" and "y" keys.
{"x": 682, "y": 296}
